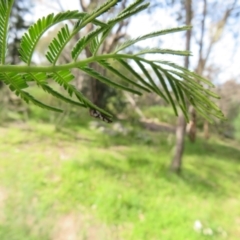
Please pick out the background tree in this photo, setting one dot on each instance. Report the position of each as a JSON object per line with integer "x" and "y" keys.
{"x": 180, "y": 130}
{"x": 206, "y": 39}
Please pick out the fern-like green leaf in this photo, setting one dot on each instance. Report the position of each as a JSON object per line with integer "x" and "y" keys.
{"x": 31, "y": 38}
{"x": 16, "y": 83}
{"x": 107, "y": 81}
{"x": 198, "y": 99}
{"x": 127, "y": 14}
{"x": 94, "y": 43}
{"x": 200, "y": 93}
{"x": 106, "y": 65}
{"x": 131, "y": 6}
{"x": 57, "y": 44}
{"x": 185, "y": 70}
{"x": 137, "y": 76}
{"x": 164, "y": 85}
{"x": 145, "y": 72}
{"x": 187, "y": 78}
{"x": 82, "y": 43}
{"x": 63, "y": 78}
{"x": 150, "y": 35}
{"x": 173, "y": 86}
{"x": 49, "y": 90}
{"x": 99, "y": 11}
{"x": 102, "y": 38}
{"x": 163, "y": 51}
{"x": 129, "y": 11}
{"x": 14, "y": 80}
{"x": 181, "y": 94}
{"x": 88, "y": 103}
{"x": 40, "y": 78}
{"x": 29, "y": 98}
{"x": 5, "y": 11}
{"x": 178, "y": 84}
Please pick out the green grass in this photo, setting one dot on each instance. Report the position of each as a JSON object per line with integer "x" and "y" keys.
{"x": 162, "y": 113}
{"x": 118, "y": 187}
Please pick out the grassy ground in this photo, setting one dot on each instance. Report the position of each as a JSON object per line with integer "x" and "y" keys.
{"x": 83, "y": 184}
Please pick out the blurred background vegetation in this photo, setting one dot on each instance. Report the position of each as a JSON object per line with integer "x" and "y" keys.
{"x": 70, "y": 177}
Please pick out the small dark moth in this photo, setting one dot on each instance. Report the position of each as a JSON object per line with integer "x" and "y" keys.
{"x": 95, "y": 113}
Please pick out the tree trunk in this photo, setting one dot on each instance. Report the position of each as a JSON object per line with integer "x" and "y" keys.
{"x": 97, "y": 88}
{"x": 181, "y": 126}
{"x": 216, "y": 34}
{"x": 206, "y": 130}
{"x": 192, "y": 125}
{"x": 179, "y": 147}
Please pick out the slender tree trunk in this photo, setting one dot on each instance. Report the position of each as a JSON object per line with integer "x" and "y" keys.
{"x": 203, "y": 58}
{"x": 97, "y": 88}
{"x": 191, "y": 127}
{"x": 179, "y": 147}
{"x": 206, "y": 130}
{"x": 181, "y": 126}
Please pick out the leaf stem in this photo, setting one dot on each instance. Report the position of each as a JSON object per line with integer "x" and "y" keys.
{"x": 56, "y": 68}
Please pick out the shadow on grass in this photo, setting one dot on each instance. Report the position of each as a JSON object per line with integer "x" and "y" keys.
{"x": 147, "y": 171}
{"x": 217, "y": 150}
{"x": 201, "y": 184}
{"x": 73, "y": 136}
{"x": 59, "y": 134}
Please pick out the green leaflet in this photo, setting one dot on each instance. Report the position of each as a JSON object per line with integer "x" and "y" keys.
{"x": 163, "y": 51}
{"x": 127, "y": 14}
{"x": 131, "y": 6}
{"x": 123, "y": 77}
{"x": 186, "y": 71}
{"x": 99, "y": 11}
{"x": 82, "y": 43}
{"x": 40, "y": 78}
{"x": 31, "y": 38}
{"x": 128, "y": 11}
{"x": 57, "y": 44}
{"x": 161, "y": 79}
{"x": 27, "y": 97}
{"x": 149, "y": 78}
{"x": 5, "y": 11}
{"x": 16, "y": 84}
{"x": 150, "y": 35}
{"x": 136, "y": 75}
{"x": 14, "y": 80}
{"x": 107, "y": 81}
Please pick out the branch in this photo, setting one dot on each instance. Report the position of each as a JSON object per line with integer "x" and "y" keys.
{"x": 200, "y": 60}
{"x": 115, "y": 37}
{"x": 218, "y": 33}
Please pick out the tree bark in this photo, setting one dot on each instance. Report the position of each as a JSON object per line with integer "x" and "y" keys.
{"x": 206, "y": 130}
{"x": 192, "y": 125}
{"x": 179, "y": 147}
{"x": 181, "y": 126}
